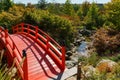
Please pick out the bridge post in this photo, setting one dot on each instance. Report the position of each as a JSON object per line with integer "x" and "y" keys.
{"x": 28, "y": 31}
{"x": 25, "y": 69}
{"x": 22, "y": 25}
{"x": 6, "y": 34}
{"x": 63, "y": 54}
{"x": 47, "y": 44}
{"x": 13, "y": 31}
{"x": 17, "y": 28}
{"x": 36, "y": 32}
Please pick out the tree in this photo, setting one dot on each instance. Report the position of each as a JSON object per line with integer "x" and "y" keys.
{"x": 68, "y": 8}
{"x": 5, "y": 4}
{"x": 42, "y": 4}
{"x": 83, "y": 10}
{"x": 55, "y": 8}
{"x": 113, "y": 14}
{"x": 91, "y": 19}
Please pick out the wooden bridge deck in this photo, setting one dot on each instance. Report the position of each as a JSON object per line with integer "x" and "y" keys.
{"x": 40, "y": 65}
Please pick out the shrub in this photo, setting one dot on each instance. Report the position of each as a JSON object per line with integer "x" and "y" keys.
{"x": 58, "y": 27}
{"x": 12, "y": 17}
{"x": 106, "y": 39}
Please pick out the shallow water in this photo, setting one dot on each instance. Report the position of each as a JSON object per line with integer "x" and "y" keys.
{"x": 82, "y": 49}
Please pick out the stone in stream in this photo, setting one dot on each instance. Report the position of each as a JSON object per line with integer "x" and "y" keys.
{"x": 69, "y": 53}
{"x": 70, "y": 64}
{"x": 67, "y": 57}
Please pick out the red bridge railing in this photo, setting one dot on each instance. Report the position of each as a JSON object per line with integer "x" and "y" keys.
{"x": 54, "y": 50}
{"x": 13, "y": 50}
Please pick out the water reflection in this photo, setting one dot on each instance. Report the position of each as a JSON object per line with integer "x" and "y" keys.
{"x": 82, "y": 49}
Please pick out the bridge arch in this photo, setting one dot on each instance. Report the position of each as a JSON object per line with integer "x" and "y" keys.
{"x": 41, "y": 40}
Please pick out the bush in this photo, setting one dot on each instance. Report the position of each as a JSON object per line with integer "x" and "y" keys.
{"x": 58, "y": 27}
{"x": 12, "y": 17}
{"x": 106, "y": 39}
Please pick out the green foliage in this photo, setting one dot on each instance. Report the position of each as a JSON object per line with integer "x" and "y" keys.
{"x": 115, "y": 58}
{"x": 68, "y": 8}
{"x": 55, "y": 8}
{"x": 91, "y": 19}
{"x": 76, "y": 7}
{"x": 12, "y": 16}
{"x": 91, "y": 60}
{"x": 5, "y": 4}
{"x": 83, "y": 10}
{"x": 57, "y": 27}
{"x": 113, "y": 13}
{"x": 41, "y": 4}
{"x": 34, "y": 16}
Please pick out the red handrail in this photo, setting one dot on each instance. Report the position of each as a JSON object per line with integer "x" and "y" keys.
{"x": 18, "y": 58}
{"x": 50, "y": 45}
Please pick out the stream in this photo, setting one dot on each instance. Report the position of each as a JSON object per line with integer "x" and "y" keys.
{"x": 82, "y": 49}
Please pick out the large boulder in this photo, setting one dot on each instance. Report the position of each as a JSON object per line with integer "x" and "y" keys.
{"x": 106, "y": 65}
{"x": 89, "y": 71}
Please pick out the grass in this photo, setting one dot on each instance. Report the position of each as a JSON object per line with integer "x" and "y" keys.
{"x": 5, "y": 72}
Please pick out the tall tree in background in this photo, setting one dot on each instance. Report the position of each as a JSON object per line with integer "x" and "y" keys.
{"x": 113, "y": 14}
{"x": 83, "y": 10}
{"x": 42, "y": 4}
{"x": 91, "y": 19}
{"x": 5, "y": 4}
{"x": 55, "y": 8}
{"x": 68, "y": 8}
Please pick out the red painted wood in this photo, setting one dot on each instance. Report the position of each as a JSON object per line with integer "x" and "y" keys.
{"x": 46, "y": 43}
{"x": 40, "y": 65}
{"x": 45, "y": 57}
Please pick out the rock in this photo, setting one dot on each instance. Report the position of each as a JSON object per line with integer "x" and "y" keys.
{"x": 106, "y": 65}
{"x": 75, "y": 43}
{"x": 69, "y": 53}
{"x": 80, "y": 35}
{"x": 70, "y": 64}
{"x": 72, "y": 45}
{"x": 67, "y": 57}
{"x": 74, "y": 49}
{"x": 75, "y": 57}
{"x": 78, "y": 41}
{"x": 88, "y": 71}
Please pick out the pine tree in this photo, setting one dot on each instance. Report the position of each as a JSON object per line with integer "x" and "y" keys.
{"x": 42, "y": 4}
{"x": 5, "y": 4}
{"x": 68, "y": 8}
{"x": 83, "y": 10}
{"x": 91, "y": 19}
{"x": 113, "y": 14}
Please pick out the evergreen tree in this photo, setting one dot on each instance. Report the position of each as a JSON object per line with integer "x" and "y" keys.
{"x": 113, "y": 14}
{"x": 5, "y": 4}
{"x": 55, "y": 8}
{"x": 91, "y": 19}
{"x": 83, "y": 10}
{"x": 42, "y": 4}
{"x": 68, "y": 8}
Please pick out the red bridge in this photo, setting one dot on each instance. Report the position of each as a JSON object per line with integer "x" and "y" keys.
{"x": 36, "y": 55}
